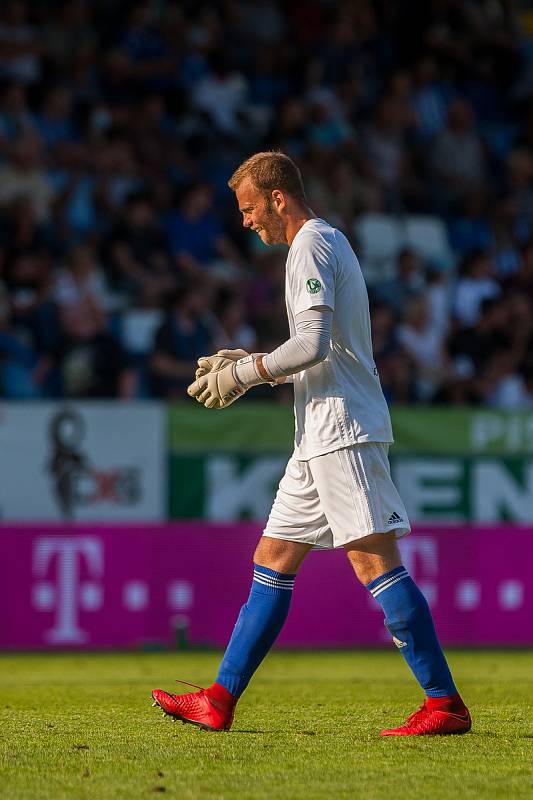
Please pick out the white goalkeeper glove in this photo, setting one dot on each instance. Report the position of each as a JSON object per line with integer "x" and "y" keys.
{"x": 218, "y": 361}
{"x": 224, "y": 377}
{"x": 217, "y": 389}
{"x": 229, "y": 381}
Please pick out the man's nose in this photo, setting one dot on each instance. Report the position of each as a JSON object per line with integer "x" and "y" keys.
{"x": 247, "y": 221}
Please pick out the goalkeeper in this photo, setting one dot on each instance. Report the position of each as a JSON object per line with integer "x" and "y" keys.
{"x": 337, "y": 489}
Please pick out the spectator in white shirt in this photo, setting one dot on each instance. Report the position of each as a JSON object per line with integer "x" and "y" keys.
{"x": 475, "y": 285}
{"x": 423, "y": 341}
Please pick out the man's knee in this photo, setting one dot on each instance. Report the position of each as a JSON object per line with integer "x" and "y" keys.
{"x": 280, "y": 555}
{"x": 373, "y": 555}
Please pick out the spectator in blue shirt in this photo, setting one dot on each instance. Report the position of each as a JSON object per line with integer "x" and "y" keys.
{"x": 186, "y": 334}
{"x": 194, "y": 234}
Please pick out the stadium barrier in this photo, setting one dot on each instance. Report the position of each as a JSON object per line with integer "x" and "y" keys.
{"x": 181, "y": 585}
{"x": 450, "y": 465}
{"x": 105, "y": 461}
{"x": 83, "y": 461}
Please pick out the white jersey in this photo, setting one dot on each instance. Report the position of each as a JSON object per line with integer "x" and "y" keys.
{"x": 338, "y": 402}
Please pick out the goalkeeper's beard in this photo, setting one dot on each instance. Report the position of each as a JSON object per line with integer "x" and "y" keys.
{"x": 273, "y": 229}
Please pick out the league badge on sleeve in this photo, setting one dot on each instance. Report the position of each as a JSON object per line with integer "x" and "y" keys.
{"x": 313, "y": 285}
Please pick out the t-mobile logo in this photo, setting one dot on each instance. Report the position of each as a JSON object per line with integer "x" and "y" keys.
{"x": 57, "y": 562}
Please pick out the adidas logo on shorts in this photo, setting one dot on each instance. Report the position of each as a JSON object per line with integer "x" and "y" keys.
{"x": 394, "y": 518}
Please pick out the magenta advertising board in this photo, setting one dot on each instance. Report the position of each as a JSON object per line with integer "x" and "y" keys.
{"x": 122, "y": 586}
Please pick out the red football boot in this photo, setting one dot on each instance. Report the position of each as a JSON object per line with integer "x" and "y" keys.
{"x": 436, "y": 717}
{"x": 209, "y": 709}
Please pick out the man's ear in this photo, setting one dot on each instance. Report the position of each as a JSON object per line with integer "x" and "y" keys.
{"x": 278, "y": 200}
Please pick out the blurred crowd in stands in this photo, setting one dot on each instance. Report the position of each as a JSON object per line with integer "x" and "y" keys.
{"x": 122, "y": 255}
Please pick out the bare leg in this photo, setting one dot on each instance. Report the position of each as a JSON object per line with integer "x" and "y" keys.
{"x": 280, "y": 555}
{"x": 373, "y": 555}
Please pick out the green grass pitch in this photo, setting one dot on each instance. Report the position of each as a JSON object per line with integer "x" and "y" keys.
{"x": 81, "y": 726}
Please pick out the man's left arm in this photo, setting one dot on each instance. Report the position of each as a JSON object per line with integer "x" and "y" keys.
{"x": 311, "y": 285}
{"x": 312, "y": 291}
{"x": 309, "y": 346}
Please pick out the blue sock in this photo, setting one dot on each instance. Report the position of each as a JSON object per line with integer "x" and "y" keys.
{"x": 409, "y": 620}
{"x": 257, "y": 628}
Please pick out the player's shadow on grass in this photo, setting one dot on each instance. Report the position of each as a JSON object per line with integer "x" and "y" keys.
{"x": 496, "y": 735}
{"x": 258, "y": 732}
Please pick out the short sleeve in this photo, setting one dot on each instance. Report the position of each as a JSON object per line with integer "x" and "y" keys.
{"x": 312, "y": 271}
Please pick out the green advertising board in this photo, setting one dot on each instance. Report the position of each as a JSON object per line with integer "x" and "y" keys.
{"x": 449, "y": 465}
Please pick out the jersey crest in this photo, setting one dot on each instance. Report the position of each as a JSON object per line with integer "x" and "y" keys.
{"x": 313, "y": 285}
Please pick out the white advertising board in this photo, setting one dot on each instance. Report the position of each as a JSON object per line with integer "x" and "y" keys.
{"x": 94, "y": 461}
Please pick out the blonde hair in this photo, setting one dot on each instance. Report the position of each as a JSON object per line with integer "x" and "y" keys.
{"x": 268, "y": 171}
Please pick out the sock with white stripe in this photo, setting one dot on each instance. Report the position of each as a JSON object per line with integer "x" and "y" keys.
{"x": 257, "y": 628}
{"x": 409, "y": 620}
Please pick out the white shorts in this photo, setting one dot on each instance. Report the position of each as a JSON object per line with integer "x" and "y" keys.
{"x": 333, "y": 499}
